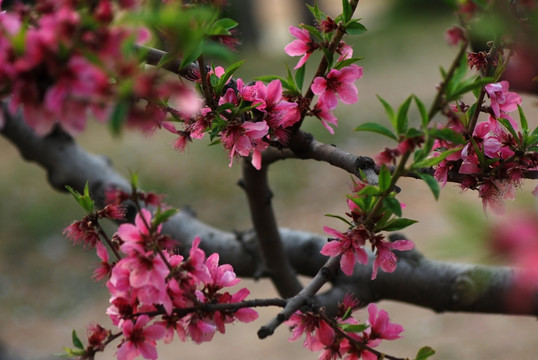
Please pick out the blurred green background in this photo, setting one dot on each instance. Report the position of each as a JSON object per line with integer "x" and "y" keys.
{"x": 45, "y": 285}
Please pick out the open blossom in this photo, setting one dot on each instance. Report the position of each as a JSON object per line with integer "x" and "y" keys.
{"x": 303, "y": 46}
{"x": 324, "y": 114}
{"x": 246, "y": 138}
{"x": 140, "y": 339}
{"x": 385, "y": 257}
{"x": 350, "y": 245}
{"x": 318, "y": 333}
{"x": 380, "y": 325}
{"x": 502, "y": 101}
{"x": 338, "y": 82}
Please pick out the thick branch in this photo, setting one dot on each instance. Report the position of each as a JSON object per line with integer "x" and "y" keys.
{"x": 255, "y": 184}
{"x": 440, "y": 286}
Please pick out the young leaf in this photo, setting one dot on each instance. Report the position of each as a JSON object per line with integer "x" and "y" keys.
{"x": 389, "y": 110}
{"x": 423, "y": 113}
{"x": 339, "y": 218}
{"x": 347, "y": 62}
{"x": 434, "y": 160}
{"x": 346, "y": 10}
{"x": 355, "y": 28}
{"x": 118, "y": 116}
{"x": 522, "y": 118}
{"x": 161, "y": 217}
{"x": 318, "y": 14}
{"x": 384, "y": 179}
{"x": 377, "y": 128}
{"x": 401, "y": 119}
{"x": 510, "y": 128}
{"x": 398, "y": 224}
{"x": 424, "y": 353}
{"x": 226, "y": 76}
{"x": 76, "y": 341}
{"x": 354, "y": 328}
{"x": 84, "y": 200}
{"x": 393, "y": 205}
{"x": 432, "y": 184}
{"x": 299, "y": 77}
{"x": 447, "y": 134}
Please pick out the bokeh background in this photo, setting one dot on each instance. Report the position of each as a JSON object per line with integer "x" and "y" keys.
{"x": 45, "y": 285}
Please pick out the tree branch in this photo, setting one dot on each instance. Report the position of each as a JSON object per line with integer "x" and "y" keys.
{"x": 259, "y": 195}
{"x": 440, "y": 286}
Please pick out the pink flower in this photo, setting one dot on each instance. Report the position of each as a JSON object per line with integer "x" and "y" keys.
{"x": 454, "y": 35}
{"x": 303, "y": 46}
{"x": 350, "y": 246}
{"x": 502, "y": 101}
{"x": 380, "y": 326}
{"x": 324, "y": 114}
{"x": 136, "y": 236}
{"x": 338, "y": 82}
{"x": 385, "y": 258}
{"x": 105, "y": 267}
{"x": 245, "y": 138}
{"x": 140, "y": 339}
{"x": 318, "y": 333}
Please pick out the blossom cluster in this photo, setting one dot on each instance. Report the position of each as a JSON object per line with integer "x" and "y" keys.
{"x": 345, "y": 338}
{"x": 155, "y": 293}
{"x": 495, "y": 157}
{"x": 63, "y": 62}
{"x": 350, "y": 245}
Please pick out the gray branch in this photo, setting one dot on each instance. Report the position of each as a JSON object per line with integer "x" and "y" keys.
{"x": 440, "y": 286}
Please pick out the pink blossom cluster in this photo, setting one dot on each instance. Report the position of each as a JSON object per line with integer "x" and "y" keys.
{"x": 269, "y": 117}
{"x": 493, "y": 160}
{"x": 45, "y": 67}
{"x": 334, "y": 341}
{"x": 155, "y": 293}
{"x": 337, "y": 82}
{"x": 350, "y": 245}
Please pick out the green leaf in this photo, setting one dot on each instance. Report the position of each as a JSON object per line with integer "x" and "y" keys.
{"x": 398, "y": 224}
{"x": 339, "y": 218}
{"x": 355, "y": 28}
{"x": 434, "y": 160}
{"x": 84, "y": 200}
{"x": 225, "y": 23}
{"x": 346, "y": 10}
{"x": 134, "y": 180}
{"x": 432, "y": 184}
{"x": 424, "y": 353}
{"x": 191, "y": 53}
{"x": 161, "y": 217}
{"x": 118, "y": 116}
{"x": 169, "y": 56}
{"x": 347, "y": 62}
{"x": 522, "y": 118}
{"x": 390, "y": 112}
{"x": 401, "y": 119}
{"x": 73, "y": 352}
{"x": 506, "y": 123}
{"x": 76, "y": 341}
{"x": 466, "y": 86}
{"x": 447, "y": 134}
{"x": 368, "y": 190}
{"x": 377, "y": 128}
{"x": 318, "y": 14}
{"x": 227, "y": 75}
{"x": 353, "y": 328}
{"x": 299, "y": 77}
{"x": 313, "y": 31}
{"x": 423, "y": 112}
{"x": 393, "y": 205}
{"x": 384, "y": 179}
